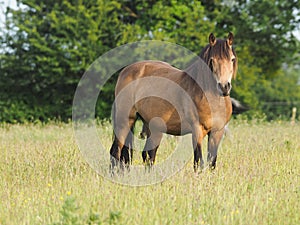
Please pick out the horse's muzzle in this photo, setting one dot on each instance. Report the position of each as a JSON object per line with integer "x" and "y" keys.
{"x": 224, "y": 88}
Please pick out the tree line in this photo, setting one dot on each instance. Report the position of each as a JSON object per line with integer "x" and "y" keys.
{"x": 46, "y": 46}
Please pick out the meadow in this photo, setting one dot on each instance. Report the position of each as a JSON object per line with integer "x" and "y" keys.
{"x": 44, "y": 179}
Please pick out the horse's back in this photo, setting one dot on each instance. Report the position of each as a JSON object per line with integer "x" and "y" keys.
{"x": 144, "y": 69}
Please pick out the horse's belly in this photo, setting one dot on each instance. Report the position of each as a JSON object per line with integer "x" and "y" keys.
{"x": 178, "y": 129}
{"x": 160, "y": 115}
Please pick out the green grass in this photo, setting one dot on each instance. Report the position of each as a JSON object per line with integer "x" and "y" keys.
{"x": 45, "y": 180}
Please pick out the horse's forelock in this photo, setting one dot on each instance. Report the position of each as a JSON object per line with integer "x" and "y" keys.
{"x": 220, "y": 50}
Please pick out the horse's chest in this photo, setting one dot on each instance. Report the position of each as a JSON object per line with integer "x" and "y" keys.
{"x": 214, "y": 115}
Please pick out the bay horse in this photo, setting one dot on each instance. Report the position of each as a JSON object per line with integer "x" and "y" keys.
{"x": 237, "y": 108}
{"x": 177, "y": 102}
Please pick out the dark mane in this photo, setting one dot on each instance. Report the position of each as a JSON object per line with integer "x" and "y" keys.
{"x": 221, "y": 50}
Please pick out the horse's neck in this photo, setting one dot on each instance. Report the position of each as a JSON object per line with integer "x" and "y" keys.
{"x": 202, "y": 75}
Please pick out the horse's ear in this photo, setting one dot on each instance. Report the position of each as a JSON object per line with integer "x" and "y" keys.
{"x": 212, "y": 39}
{"x": 230, "y": 39}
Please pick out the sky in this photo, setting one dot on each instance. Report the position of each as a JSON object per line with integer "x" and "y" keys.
{"x": 3, "y": 5}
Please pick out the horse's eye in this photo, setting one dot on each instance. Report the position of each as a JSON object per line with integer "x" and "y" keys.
{"x": 233, "y": 60}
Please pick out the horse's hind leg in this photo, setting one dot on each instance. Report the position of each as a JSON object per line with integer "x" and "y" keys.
{"x": 115, "y": 152}
{"x": 122, "y": 129}
{"x": 151, "y": 146}
{"x": 127, "y": 150}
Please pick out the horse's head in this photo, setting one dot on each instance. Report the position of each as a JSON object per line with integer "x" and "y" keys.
{"x": 222, "y": 61}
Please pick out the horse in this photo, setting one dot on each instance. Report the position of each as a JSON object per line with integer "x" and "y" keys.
{"x": 177, "y": 102}
{"x": 237, "y": 108}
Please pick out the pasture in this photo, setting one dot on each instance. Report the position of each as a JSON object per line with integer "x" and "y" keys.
{"x": 45, "y": 180}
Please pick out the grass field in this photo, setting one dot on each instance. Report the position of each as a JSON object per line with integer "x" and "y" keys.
{"x": 45, "y": 180}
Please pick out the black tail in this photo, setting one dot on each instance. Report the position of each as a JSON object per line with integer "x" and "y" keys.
{"x": 237, "y": 107}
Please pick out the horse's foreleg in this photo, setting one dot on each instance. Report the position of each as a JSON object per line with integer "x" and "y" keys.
{"x": 145, "y": 132}
{"x": 197, "y": 143}
{"x": 198, "y": 157}
{"x": 214, "y": 139}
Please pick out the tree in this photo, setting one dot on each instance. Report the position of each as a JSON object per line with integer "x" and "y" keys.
{"x": 182, "y": 22}
{"x": 48, "y": 46}
{"x": 264, "y": 42}
{"x": 264, "y": 26}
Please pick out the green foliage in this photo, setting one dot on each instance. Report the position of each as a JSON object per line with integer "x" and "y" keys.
{"x": 264, "y": 26}
{"x": 70, "y": 215}
{"x": 48, "y": 50}
{"x": 182, "y": 22}
{"x": 47, "y": 46}
{"x": 264, "y": 42}
{"x": 244, "y": 87}
{"x": 281, "y": 94}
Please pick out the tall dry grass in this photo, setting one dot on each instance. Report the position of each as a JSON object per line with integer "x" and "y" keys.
{"x": 45, "y": 180}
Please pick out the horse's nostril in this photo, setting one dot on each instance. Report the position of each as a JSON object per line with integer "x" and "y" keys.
{"x": 220, "y": 86}
{"x": 224, "y": 88}
{"x": 228, "y": 86}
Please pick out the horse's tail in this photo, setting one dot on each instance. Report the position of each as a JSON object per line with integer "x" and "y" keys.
{"x": 237, "y": 107}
